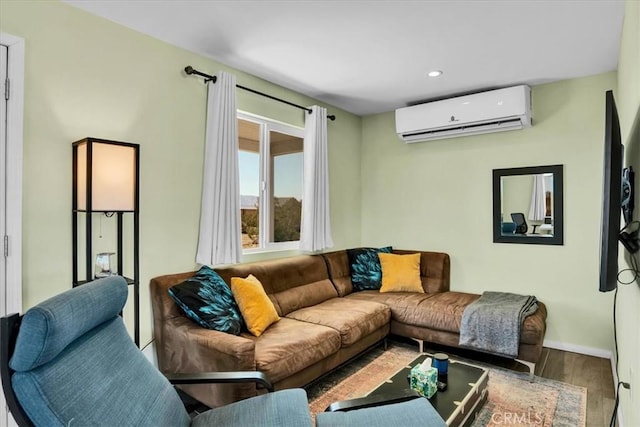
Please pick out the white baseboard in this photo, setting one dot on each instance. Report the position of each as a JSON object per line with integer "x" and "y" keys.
{"x": 574, "y": 348}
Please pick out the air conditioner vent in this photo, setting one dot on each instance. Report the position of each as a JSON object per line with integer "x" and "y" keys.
{"x": 494, "y": 111}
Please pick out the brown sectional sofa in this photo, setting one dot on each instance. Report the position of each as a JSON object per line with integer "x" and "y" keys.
{"x": 434, "y": 316}
{"x": 323, "y": 323}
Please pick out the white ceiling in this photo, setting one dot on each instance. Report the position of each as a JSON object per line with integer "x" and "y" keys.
{"x": 373, "y": 56}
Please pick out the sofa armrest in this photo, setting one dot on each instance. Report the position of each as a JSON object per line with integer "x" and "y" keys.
{"x": 222, "y": 378}
{"x": 189, "y": 348}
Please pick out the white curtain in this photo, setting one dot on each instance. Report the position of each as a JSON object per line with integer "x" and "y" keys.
{"x": 219, "y": 241}
{"x": 315, "y": 227}
{"x": 537, "y": 208}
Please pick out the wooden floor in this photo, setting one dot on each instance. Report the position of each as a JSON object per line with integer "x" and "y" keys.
{"x": 591, "y": 372}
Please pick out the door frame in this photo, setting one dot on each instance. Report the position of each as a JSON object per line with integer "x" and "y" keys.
{"x": 15, "y": 113}
{"x": 14, "y": 159}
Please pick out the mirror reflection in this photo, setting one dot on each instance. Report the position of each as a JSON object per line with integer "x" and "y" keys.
{"x": 528, "y": 205}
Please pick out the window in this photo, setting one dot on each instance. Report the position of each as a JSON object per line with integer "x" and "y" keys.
{"x": 270, "y": 163}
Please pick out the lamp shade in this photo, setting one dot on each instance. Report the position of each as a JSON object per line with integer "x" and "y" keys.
{"x": 105, "y": 175}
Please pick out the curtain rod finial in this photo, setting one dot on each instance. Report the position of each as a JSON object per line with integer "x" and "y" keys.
{"x": 188, "y": 69}
{"x": 331, "y": 117}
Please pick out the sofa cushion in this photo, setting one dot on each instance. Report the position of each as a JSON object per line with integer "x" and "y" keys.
{"x": 400, "y": 273}
{"x": 304, "y": 296}
{"x": 442, "y": 311}
{"x": 290, "y": 346}
{"x": 339, "y": 271}
{"x": 353, "y": 319}
{"x": 364, "y": 264}
{"x": 206, "y": 299}
{"x": 390, "y": 298}
{"x": 257, "y": 310}
{"x": 278, "y": 276}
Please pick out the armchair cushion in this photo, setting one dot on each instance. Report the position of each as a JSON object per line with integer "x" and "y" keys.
{"x": 413, "y": 413}
{"x": 283, "y": 409}
{"x": 47, "y": 329}
{"x": 206, "y": 299}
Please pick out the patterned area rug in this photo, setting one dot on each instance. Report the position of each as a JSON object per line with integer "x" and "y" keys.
{"x": 513, "y": 400}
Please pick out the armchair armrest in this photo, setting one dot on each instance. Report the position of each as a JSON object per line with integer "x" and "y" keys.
{"x": 371, "y": 401}
{"x": 222, "y": 377}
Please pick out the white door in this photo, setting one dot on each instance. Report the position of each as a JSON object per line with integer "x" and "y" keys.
{"x": 11, "y": 113}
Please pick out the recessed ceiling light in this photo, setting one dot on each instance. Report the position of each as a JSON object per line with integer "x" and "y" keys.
{"x": 435, "y": 73}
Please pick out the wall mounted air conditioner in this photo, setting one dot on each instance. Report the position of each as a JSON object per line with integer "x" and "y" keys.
{"x": 493, "y": 111}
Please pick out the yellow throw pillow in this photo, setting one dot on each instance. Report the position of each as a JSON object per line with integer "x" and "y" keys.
{"x": 256, "y": 307}
{"x": 400, "y": 273}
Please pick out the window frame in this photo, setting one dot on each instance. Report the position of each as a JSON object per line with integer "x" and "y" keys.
{"x": 268, "y": 125}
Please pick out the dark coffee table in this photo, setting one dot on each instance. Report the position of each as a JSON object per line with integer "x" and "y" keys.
{"x": 458, "y": 405}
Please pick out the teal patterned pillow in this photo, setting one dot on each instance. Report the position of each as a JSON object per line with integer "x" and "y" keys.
{"x": 207, "y": 300}
{"x": 366, "y": 272}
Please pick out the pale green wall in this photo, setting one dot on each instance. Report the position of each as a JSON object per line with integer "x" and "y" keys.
{"x": 86, "y": 76}
{"x": 628, "y": 103}
{"x": 437, "y": 196}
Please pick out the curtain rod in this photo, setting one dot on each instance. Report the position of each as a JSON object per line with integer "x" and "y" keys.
{"x": 190, "y": 70}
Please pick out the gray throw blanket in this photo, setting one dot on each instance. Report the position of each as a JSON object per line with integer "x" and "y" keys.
{"x": 492, "y": 323}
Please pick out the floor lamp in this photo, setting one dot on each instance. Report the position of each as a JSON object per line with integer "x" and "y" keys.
{"x": 105, "y": 182}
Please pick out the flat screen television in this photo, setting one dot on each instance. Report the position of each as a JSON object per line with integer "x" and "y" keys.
{"x": 611, "y": 196}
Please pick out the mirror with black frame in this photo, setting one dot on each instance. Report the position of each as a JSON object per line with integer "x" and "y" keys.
{"x": 527, "y": 205}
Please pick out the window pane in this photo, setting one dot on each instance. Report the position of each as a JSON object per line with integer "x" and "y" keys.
{"x": 286, "y": 184}
{"x": 249, "y": 169}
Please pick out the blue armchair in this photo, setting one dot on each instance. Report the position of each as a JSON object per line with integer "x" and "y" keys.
{"x": 69, "y": 361}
